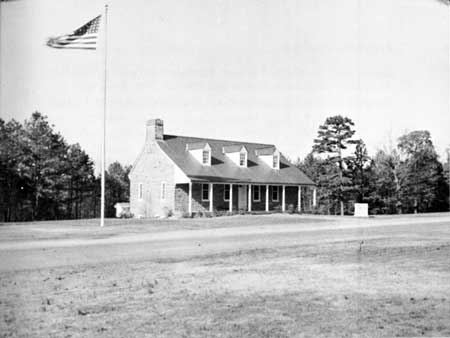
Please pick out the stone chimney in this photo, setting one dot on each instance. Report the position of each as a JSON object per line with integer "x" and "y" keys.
{"x": 155, "y": 130}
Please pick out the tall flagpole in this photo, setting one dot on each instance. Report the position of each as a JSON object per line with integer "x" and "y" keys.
{"x": 102, "y": 208}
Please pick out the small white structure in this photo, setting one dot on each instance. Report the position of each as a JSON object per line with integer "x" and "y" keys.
{"x": 122, "y": 209}
{"x": 361, "y": 210}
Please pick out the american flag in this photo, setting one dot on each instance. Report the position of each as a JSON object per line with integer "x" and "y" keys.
{"x": 84, "y": 37}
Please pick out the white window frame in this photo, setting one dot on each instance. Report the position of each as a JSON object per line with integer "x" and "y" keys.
{"x": 276, "y": 164}
{"x": 244, "y": 164}
{"x": 277, "y": 189}
{"x": 163, "y": 191}
{"x": 207, "y": 189}
{"x": 208, "y": 159}
{"x": 256, "y": 188}
{"x": 140, "y": 191}
{"x": 226, "y": 188}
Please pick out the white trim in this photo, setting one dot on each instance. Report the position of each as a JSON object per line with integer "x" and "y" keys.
{"x": 249, "y": 204}
{"x": 267, "y": 197}
{"x": 211, "y": 186}
{"x": 277, "y": 165}
{"x": 179, "y": 176}
{"x": 190, "y": 199}
{"x": 198, "y": 154}
{"x": 231, "y": 198}
{"x": 225, "y": 186}
{"x": 259, "y": 193}
{"x": 283, "y": 199}
{"x": 268, "y": 159}
{"x": 299, "y": 199}
{"x": 260, "y": 183}
{"x": 235, "y": 156}
{"x": 163, "y": 191}
{"x": 245, "y": 159}
{"x": 208, "y": 156}
{"x": 277, "y": 189}
{"x": 207, "y": 185}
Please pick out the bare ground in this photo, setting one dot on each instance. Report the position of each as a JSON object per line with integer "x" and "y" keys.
{"x": 249, "y": 276}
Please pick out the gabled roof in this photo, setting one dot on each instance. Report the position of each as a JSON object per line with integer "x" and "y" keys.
{"x": 223, "y": 169}
{"x": 235, "y": 148}
{"x": 196, "y": 145}
{"x": 265, "y": 151}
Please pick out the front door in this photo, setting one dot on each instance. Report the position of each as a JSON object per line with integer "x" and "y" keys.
{"x": 242, "y": 197}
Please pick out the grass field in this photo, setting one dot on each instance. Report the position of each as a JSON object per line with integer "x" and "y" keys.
{"x": 239, "y": 276}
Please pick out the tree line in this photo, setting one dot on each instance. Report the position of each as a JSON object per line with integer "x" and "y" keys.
{"x": 42, "y": 177}
{"x": 403, "y": 178}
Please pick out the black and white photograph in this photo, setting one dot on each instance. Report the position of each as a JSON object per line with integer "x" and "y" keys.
{"x": 224, "y": 168}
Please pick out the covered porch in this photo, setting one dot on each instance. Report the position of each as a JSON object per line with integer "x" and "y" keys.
{"x": 212, "y": 197}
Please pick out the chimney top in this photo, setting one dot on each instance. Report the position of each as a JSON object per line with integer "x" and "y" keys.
{"x": 155, "y": 130}
{"x": 153, "y": 122}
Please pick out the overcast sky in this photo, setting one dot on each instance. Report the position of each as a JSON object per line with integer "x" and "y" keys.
{"x": 253, "y": 70}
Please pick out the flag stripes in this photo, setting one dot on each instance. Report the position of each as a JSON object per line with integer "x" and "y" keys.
{"x": 84, "y": 37}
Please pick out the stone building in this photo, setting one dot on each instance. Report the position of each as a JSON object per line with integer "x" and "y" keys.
{"x": 179, "y": 174}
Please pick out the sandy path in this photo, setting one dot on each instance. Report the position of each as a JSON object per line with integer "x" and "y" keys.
{"x": 186, "y": 244}
{"x": 221, "y": 232}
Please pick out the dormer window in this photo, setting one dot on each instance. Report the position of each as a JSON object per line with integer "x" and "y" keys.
{"x": 201, "y": 152}
{"x": 270, "y": 156}
{"x": 243, "y": 159}
{"x": 206, "y": 158}
{"x": 276, "y": 161}
{"x": 237, "y": 153}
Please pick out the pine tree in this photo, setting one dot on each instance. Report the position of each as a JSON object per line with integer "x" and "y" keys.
{"x": 423, "y": 173}
{"x": 80, "y": 176}
{"x": 357, "y": 167}
{"x": 43, "y": 165}
{"x": 14, "y": 187}
{"x": 316, "y": 169}
{"x": 334, "y": 136}
{"x": 388, "y": 177}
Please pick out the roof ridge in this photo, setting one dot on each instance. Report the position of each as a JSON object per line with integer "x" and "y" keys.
{"x": 220, "y": 140}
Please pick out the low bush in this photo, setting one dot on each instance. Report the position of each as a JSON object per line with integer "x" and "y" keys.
{"x": 291, "y": 209}
{"x": 126, "y": 214}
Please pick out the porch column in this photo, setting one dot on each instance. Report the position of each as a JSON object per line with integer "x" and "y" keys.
{"x": 190, "y": 199}
{"x": 249, "y": 197}
{"x": 299, "y": 208}
{"x": 314, "y": 197}
{"x": 267, "y": 198}
{"x": 210, "y": 197}
{"x": 283, "y": 199}
{"x": 231, "y": 197}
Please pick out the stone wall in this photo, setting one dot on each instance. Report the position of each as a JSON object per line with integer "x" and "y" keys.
{"x": 182, "y": 198}
{"x": 151, "y": 169}
{"x": 219, "y": 203}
